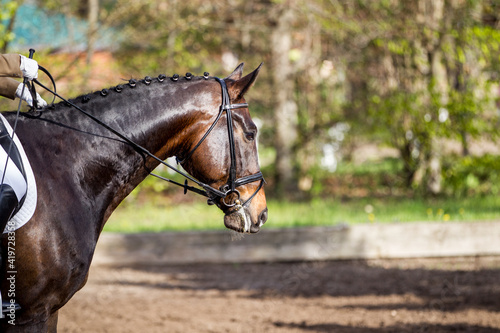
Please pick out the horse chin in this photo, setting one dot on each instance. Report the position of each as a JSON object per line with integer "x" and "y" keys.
{"x": 240, "y": 221}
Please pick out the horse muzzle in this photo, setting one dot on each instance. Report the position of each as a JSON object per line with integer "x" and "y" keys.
{"x": 239, "y": 219}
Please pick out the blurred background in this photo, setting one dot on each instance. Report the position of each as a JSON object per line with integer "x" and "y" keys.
{"x": 368, "y": 111}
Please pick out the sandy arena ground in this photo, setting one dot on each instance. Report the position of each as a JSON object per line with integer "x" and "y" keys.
{"x": 421, "y": 295}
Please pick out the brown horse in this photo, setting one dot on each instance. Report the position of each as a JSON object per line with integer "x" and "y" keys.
{"x": 83, "y": 172}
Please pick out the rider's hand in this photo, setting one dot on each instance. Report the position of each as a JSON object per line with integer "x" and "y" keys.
{"x": 26, "y": 95}
{"x": 29, "y": 67}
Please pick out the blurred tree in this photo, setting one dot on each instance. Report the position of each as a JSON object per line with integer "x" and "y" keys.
{"x": 472, "y": 57}
{"x": 165, "y": 35}
{"x": 173, "y": 34}
{"x": 8, "y": 10}
{"x": 285, "y": 108}
{"x": 406, "y": 73}
{"x": 403, "y": 59}
{"x": 93, "y": 16}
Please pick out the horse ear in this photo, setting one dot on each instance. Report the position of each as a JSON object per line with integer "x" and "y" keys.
{"x": 236, "y": 74}
{"x": 239, "y": 87}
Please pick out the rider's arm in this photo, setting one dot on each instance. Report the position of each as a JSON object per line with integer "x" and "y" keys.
{"x": 10, "y": 65}
{"x": 15, "y": 65}
{"x": 8, "y": 87}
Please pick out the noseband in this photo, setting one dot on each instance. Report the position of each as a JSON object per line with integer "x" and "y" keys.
{"x": 230, "y": 187}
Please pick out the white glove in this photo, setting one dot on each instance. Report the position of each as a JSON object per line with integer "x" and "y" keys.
{"x": 29, "y": 67}
{"x": 26, "y": 96}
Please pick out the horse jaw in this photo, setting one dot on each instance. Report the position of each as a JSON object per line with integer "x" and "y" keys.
{"x": 239, "y": 220}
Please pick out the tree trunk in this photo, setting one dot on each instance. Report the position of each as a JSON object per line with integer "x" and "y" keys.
{"x": 434, "y": 166}
{"x": 285, "y": 112}
{"x": 93, "y": 12}
{"x": 433, "y": 12}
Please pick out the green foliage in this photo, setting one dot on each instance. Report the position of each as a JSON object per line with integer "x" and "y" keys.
{"x": 7, "y": 12}
{"x": 388, "y": 69}
{"x": 400, "y": 113}
{"x": 382, "y": 167}
{"x": 472, "y": 176}
{"x": 431, "y": 79}
{"x": 466, "y": 114}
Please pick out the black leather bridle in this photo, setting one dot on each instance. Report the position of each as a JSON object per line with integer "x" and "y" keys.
{"x": 213, "y": 194}
{"x": 230, "y": 187}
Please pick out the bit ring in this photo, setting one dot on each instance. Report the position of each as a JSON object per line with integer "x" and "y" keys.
{"x": 237, "y": 201}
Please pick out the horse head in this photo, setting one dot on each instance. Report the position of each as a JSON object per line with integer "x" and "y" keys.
{"x": 228, "y": 144}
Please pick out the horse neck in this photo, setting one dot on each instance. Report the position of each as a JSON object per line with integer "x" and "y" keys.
{"x": 159, "y": 117}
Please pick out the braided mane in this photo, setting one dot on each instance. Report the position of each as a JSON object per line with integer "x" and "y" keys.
{"x": 131, "y": 84}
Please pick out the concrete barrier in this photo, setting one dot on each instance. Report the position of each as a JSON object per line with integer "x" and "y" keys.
{"x": 402, "y": 240}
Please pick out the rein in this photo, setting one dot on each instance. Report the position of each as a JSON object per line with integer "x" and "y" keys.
{"x": 208, "y": 191}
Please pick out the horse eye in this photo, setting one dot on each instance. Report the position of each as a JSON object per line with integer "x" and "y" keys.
{"x": 250, "y": 136}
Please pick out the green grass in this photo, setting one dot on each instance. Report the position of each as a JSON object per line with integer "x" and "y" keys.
{"x": 133, "y": 217}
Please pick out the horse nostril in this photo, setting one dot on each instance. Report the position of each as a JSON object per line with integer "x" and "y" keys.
{"x": 263, "y": 217}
